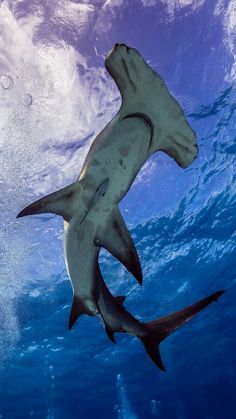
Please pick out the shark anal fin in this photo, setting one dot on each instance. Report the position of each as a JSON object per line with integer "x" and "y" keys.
{"x": 120, "y": 299}
{"x": 78, "y": 308}
{"x": 60, "y": 203}
{"x": 115, "y": 238}
{"x": 110, "y": 333}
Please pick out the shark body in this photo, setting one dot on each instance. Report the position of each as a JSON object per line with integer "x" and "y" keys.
{"x": 114, "y": 315}
{"x": 149, "y": 120}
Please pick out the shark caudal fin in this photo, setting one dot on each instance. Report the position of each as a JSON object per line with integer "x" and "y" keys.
{"x": 159, "y": 329}
{"x": 60, "y": 203}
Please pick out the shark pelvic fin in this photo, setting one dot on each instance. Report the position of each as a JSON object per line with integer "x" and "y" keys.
{"x": 78, "y": 308}
{"x": 60, "y": 203}
{"x": 110, "y": 333}
{"x": 114, "y": 236}
{"x": 159, "y": 329}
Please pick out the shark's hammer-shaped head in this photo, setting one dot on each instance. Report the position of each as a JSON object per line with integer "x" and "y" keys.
{"x": 143, "y": 91}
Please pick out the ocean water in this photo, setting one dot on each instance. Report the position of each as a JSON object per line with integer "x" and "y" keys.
{"x": 55, "y": 96}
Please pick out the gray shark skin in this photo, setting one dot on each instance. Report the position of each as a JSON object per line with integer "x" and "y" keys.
{"x": 148, "y": 120}
{"x": 111, "y": 309}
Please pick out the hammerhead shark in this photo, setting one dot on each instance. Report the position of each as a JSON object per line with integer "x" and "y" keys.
{"x": 149, "y": 120}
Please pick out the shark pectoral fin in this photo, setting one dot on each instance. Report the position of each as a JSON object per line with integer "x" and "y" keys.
{"x": 60, "y": 203}
{"x": 110, "y": 333}
{"x": 78, "y": 308}
{"x": 120, "y": 299}
{"x": 115, "y": 238}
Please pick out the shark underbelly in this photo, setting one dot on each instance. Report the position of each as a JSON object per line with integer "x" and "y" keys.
{"x": 81, "y": 259}
{"x": 119, "y": 160}
{"x": 115, "y": 164}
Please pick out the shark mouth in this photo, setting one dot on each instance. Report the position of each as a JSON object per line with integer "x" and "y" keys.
{"x": 146, "y": 120}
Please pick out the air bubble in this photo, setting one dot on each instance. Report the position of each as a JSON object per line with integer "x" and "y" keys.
{"x": 27, "y": 100}
{"x": 6, "y": 82}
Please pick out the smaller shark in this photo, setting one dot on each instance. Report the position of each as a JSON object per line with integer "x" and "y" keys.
{"x": 149, "y": 120}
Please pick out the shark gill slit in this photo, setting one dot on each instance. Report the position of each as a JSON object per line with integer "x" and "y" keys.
{"x": 146, "y": 120}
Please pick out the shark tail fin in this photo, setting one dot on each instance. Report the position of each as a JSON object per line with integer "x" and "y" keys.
{"x": 159, "y": 329}
{"x": 59, "y": 203}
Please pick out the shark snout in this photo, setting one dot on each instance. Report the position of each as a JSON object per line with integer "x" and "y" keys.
{"x": 195, "y": 150}
{"x": 184, "y": 154}
{"x": 120, "y": 49}
{"x": 187, "y": 155}
{"x": 116, "y": 46}
{"x": 117, "y": 64}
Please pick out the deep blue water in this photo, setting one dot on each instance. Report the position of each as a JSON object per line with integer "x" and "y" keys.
{"x": 56, "y": 97}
